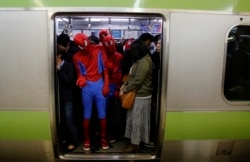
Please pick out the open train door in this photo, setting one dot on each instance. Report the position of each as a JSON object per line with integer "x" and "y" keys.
{"x": 123, "y": 27}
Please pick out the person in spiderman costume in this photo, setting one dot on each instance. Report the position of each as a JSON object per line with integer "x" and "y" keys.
{"x": 113, "y": 65}
{"x": 92, "y": 78}
{"x": 115, "y": 80}
{"x": 102, "y": 34}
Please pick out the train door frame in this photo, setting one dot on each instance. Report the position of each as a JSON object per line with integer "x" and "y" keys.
{"x": 161, "y": 94}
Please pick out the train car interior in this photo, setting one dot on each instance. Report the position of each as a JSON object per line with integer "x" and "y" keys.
{"x": 122, "y": 27}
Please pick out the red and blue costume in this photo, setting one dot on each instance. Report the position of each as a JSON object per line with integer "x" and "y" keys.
{"x": 113, "y": 65}
{"x": 92, "y": 77}
{"x": 102, "y": 34}
{"x": 114, "y": 110}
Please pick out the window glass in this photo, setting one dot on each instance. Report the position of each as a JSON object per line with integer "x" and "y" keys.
{"x": 237, "y": 71}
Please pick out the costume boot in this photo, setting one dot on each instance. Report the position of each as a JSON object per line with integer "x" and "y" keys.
{"x": 103, "y": 127}
{"x": 86, "y": 143}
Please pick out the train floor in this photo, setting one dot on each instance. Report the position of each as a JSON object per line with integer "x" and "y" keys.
{"x": 115, "y": 147}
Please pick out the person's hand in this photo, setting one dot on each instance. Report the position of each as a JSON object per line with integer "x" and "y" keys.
{"x": 122, "y": 87}
{"x": 58, "y": 62}
{"x": 121, "y": 93}
{"x": 105, "y": 90}
{"x": 81, "y": 81}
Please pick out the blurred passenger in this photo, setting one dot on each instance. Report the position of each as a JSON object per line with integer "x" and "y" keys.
{"x": 66, "y": 83}
{"x": 147, "y": 38}
{"x": 127, "y": 59}
{"x": 119, "y": 46}
{"x": 64, "y": 40}
{"x": 94, "y": 40}
{"x": 140, "y": 79}
{"x": 156, "y": 58}
{"x": 152, "y": 46}
{"x": 71, "y": 48}
{"x": 156, "y": 70}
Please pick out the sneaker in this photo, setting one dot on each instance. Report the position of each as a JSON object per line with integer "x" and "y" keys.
{"x": 112, "y": 139}
{"x": 105, "y": 147}
{"x": 70, "y": 148}
{"x": 104, "y": 144}
{"x": 150, "y": 144}
{"x": 86, "y": 147}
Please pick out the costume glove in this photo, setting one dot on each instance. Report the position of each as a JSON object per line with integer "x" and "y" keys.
{"x": 81, "y": 81}
{"x": 105, "y": 90}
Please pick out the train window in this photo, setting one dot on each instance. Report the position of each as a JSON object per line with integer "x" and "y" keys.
{"x": 88, "y": 134}
{"x": 237, "y": 71}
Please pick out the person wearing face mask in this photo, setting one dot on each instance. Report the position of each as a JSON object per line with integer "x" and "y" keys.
{"x": 156, "y": 58}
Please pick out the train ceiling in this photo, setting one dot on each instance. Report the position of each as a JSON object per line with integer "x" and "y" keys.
{"x": 111, "y": 22}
